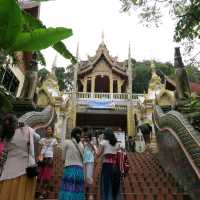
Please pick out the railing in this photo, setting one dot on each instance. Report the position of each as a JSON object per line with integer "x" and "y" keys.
{"x": 39, "y": 120}
{"x": 123, "y": 96}
{"x": 179, "y": 147}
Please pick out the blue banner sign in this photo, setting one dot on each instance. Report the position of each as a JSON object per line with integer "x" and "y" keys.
{"x": 101, "y": 104}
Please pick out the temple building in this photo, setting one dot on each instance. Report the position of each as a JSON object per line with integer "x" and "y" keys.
{"x": 102, "y": 94}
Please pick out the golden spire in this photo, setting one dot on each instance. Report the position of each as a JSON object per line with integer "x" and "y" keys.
{"x": 77, "y": 51}
{"x": 102, "y": 37}
{"x": 130, "y": 69}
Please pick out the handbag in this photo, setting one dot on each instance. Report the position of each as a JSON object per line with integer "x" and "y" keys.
{"x": 123, "y": 163}
{"x": 31, "y": 171}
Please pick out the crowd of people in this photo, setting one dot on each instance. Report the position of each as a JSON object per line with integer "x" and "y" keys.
{"x": 19, "y": 164}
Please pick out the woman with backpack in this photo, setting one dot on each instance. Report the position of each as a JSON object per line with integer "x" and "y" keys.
{"x": 110, "y": 174}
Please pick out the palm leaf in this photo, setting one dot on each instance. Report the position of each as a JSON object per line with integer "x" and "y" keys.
{"x": 40, "y": 38}
{"x": 10, "y": 22}
{"x": 61, "y": 48}
{"x": 32, "y": 23}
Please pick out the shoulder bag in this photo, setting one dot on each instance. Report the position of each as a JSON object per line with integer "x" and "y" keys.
{"x": 77, "y": 147}
{"x": 31, "y": 171}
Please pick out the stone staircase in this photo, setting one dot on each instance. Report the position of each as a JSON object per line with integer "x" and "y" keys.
{"x": 148, "y": 181}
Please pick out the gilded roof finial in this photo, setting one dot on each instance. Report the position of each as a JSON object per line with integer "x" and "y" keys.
{"x": 102, "y": 37}
{"x": 77, "y": 51}
{"x": 130, "y": 76}
{"x": 153, "y": 67}
{"x": 129, "y": 50}
{"x": 54, "y": 65}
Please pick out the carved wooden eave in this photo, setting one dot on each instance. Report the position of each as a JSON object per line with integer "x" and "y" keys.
{"x": 102, "y": 53}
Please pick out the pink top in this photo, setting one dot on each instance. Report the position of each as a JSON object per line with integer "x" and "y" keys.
{"x": 17, "y": 160}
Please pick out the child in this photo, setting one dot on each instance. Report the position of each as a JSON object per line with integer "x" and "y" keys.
{"x": 46, "y": 172}
{"x": 88, "y": 160}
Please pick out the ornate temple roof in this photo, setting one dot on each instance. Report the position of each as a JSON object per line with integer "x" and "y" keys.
{"x": 102, "y": 53}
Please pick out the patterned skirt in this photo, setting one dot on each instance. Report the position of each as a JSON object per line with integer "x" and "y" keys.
{"x": 46, "y": 170}
{"x": 72, "y": 184}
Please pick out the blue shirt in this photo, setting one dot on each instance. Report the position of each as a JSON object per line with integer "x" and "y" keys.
{"x": 88, "y": 154}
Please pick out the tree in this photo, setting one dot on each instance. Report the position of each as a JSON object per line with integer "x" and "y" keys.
{"x": 193, "y": 74}
{"x": 64, "y": 77}
{"x": 142, "y": 75}
{"x": 19, "y": 31}
{"x": 185, "y": 12}
{"x": 42, "y": 75}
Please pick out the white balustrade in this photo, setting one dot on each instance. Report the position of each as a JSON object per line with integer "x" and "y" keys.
{"x": 122, "y": 96}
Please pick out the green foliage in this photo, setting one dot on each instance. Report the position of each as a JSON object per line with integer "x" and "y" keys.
{"x": 2, "y": 57}
{"x": 64, "y": 77}
{"x": 165, "y": 69}
{"x": 61, "y": 48}
{"x": 193, "y": 74}
{"x": 40, "y": 39}
{"x": 142, "y": 75}
{"x": 60, "y": 74}
{"x": 10, "y": 22}
{"x": 40, "y": 58}
{"x": 186, "y": 12}
{"x": 31, "y": 23}
{"x": 42, "y": 75}
{"x": 188, "y": 26}
{"x": 6, "y": 101}
{"x": 19, "y": 31}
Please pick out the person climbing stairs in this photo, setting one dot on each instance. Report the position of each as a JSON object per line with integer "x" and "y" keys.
{"x": 146, "y": 180}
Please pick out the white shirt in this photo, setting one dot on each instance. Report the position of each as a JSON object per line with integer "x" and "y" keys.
{"x": 108, "y": 148}
{"x": 47, "y": 146}
{"x": 71, "y": 155}
{"x": 18, "y": 158}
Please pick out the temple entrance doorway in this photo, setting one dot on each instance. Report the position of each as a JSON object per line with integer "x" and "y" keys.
{"x": 99, "y": 122}
{"x": 102, "y": 84}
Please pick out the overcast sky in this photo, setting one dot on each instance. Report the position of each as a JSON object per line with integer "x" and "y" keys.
{"x": 88, "y": 18}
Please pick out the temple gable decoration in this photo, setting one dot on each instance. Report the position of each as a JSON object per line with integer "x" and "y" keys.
{"x": 102, "y": 73}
